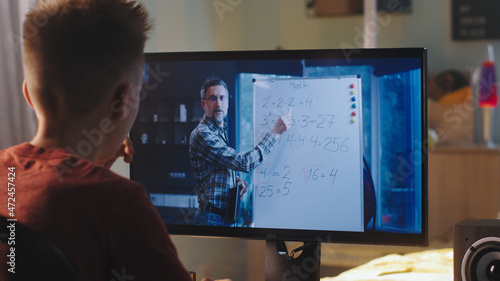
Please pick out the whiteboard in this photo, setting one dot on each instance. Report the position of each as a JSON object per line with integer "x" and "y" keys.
{"x": 313, "y": 178}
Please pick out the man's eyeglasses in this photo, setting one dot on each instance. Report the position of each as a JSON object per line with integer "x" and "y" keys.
{"x": 213, "y": 99}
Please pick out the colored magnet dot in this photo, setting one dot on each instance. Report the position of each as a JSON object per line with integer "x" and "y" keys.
{"x": 353, "y": 113}
{"x": 354, "y": 105}
{"x": 353, "y": 99}
{"x": 353, "y": 120}
{"x": 351, "y": 86}
{"x": 353, "y": 93}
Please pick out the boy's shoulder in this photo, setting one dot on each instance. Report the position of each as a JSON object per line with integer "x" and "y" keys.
{"x": 38, "y": 166}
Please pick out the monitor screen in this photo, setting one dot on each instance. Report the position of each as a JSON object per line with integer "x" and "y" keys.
{"x": 350, "y": 168}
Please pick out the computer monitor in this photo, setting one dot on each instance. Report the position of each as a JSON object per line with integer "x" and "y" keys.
{"x": 351, "y": 168}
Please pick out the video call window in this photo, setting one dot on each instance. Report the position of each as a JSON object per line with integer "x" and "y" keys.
{"x": 391, "y": 134}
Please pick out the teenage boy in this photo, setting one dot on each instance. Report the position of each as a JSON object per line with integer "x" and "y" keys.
{"x": 83, "y": 64}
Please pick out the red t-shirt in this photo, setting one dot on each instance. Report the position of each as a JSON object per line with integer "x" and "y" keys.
{"x": 103, "y": 223}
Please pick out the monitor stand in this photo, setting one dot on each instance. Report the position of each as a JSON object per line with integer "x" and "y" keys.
{"x": 283, "y": 266}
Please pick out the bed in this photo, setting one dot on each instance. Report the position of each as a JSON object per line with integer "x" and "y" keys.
{"x": 429, "y": 265}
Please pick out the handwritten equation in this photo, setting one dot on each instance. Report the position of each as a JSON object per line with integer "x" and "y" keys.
{"x": 326, "y": 143}
{"x": 321, "y": 121}
{"x": 282, "y": 182}
{"x": 309, "y": 102}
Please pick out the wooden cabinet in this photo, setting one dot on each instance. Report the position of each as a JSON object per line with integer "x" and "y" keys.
{"x": 464, "y": 184}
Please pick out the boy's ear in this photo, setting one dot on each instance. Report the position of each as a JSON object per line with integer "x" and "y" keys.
{"x": 26, "y": 93}
{"x": 121, "y": 99}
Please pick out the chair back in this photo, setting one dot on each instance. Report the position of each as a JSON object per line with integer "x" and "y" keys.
{"x": 27, "y": 255}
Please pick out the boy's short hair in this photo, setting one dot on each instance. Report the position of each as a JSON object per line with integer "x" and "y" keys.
{"x": 76, "y": 50}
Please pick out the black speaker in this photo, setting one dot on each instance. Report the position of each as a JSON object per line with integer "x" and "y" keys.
{"x": 476, "y": 251}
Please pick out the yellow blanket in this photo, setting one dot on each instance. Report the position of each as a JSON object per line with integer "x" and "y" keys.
{"x": 427, "y": 265}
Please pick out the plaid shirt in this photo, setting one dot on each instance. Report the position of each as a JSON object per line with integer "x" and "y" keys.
{"x": 214, "y": 162}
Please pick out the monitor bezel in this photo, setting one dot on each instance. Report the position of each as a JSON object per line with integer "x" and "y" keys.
{"x": 366, "y": 237}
